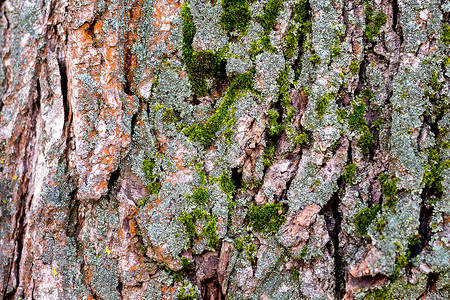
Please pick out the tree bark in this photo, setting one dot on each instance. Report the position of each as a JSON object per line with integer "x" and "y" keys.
{"x": 265, "y": 149}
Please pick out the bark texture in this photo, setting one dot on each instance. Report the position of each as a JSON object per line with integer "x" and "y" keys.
{"x": 248, "y": 149}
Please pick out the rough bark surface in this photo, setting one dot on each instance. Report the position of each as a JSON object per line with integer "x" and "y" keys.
{"x": 251, "y": 149}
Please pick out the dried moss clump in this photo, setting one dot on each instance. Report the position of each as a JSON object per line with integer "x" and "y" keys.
{"x": 267, "y": 218}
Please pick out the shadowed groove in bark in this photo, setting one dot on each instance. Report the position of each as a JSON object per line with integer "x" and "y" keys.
{"x": 28, "y": 139}
{"x": 333, "y": 220}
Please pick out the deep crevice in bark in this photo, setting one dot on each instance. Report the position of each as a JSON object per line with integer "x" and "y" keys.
{"x": 24, "y": 189}
{"x": 298, "y": 60}
{"x": 64, "y": 84}
{"x": 120, "y": 288}
{"x": 333, "y": 221}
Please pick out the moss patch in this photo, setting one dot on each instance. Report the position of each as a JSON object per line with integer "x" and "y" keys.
{"x": 373, "y": 24}
{"x": 267, "y": 218}
{"x": 322, "y": 104}
{"x": 236, "y": 15}
{"x": 299, "y": 28}
{"x": 389, "y": 189}
{"x": 354, "y": 67}
{"x": 445, "y": 37}
{"x": 432, "y": 177}
{"x": 201, "y": 64}
{"x": 356, "y": 118}
{"x": 364, "y": 218}
{"x": 205, "y": 133}
{"x": 349, "y": 172}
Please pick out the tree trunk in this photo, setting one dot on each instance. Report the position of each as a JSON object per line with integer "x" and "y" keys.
{"x": 233, "y": 149}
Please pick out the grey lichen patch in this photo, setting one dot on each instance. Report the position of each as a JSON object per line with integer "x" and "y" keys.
{"x": 268, "y": 66}
{"x": 165, "y": 92}
{"x": 238, "y": 61}
{"x": 209, "y": 35}
{"x": 398, "y": 289}
{"x": 310, "y": 185}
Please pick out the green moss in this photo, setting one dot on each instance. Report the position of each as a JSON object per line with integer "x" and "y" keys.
{"x": 202, "y": 64}
{"x": 148, "y": 166}
{"x": 315, "y": 60}
{"x": 380, "y": 294}
{"x": 268, "y": 156}
{"x": 299, "y": 28}
{"x": 445, "y": 37}
{"x": 158, "y": 107}
{"x": 210, "y": 232}
{"x": 142, "y": 202}
{"x": 189, "y": 223}
{"x": 356, "y": 118}
{"x": 335, "y": 51}
{"x": 250, "y": 250}
{"x": 373, "y": 24}
{"x": 274, "y": 128}
{"x": 389, "y": 189}
{"x": 302, "y": 138}
{"x": 368, "y": 94}
{"x": 291, "y": 41}
{"x": 187, "y": 293}
{"x": 267, "y": 218}
{"x": 236, "y": 15}
{"x": 432, "y": 176}
{"x": 364, "y": 218}
{"x": 349, "y": 172}
{"x": 226, "y": 184}
{"x": 200, "y": 195}
{"x": 154, "y": 186}
{"x": 445, "y": 164}
{"x": 354, "y": 67}
{"x": 169, "y": 116}
{"x": 240, "y": 242}
{"x": 205, "y": 133}
{"x": 186, "y": 264}
{"x": 379, "y": 225}
{"x": 295, "y": 273}
{"x": 414, "y": 239}
{"x": 269, "y": 19}
{"x": 446, "y": 60}
{"x": 303, "y": 253}
{"x": 365, "y": 141}
{"x": 434, "y": 82}
{"x": 322, "y": 104}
